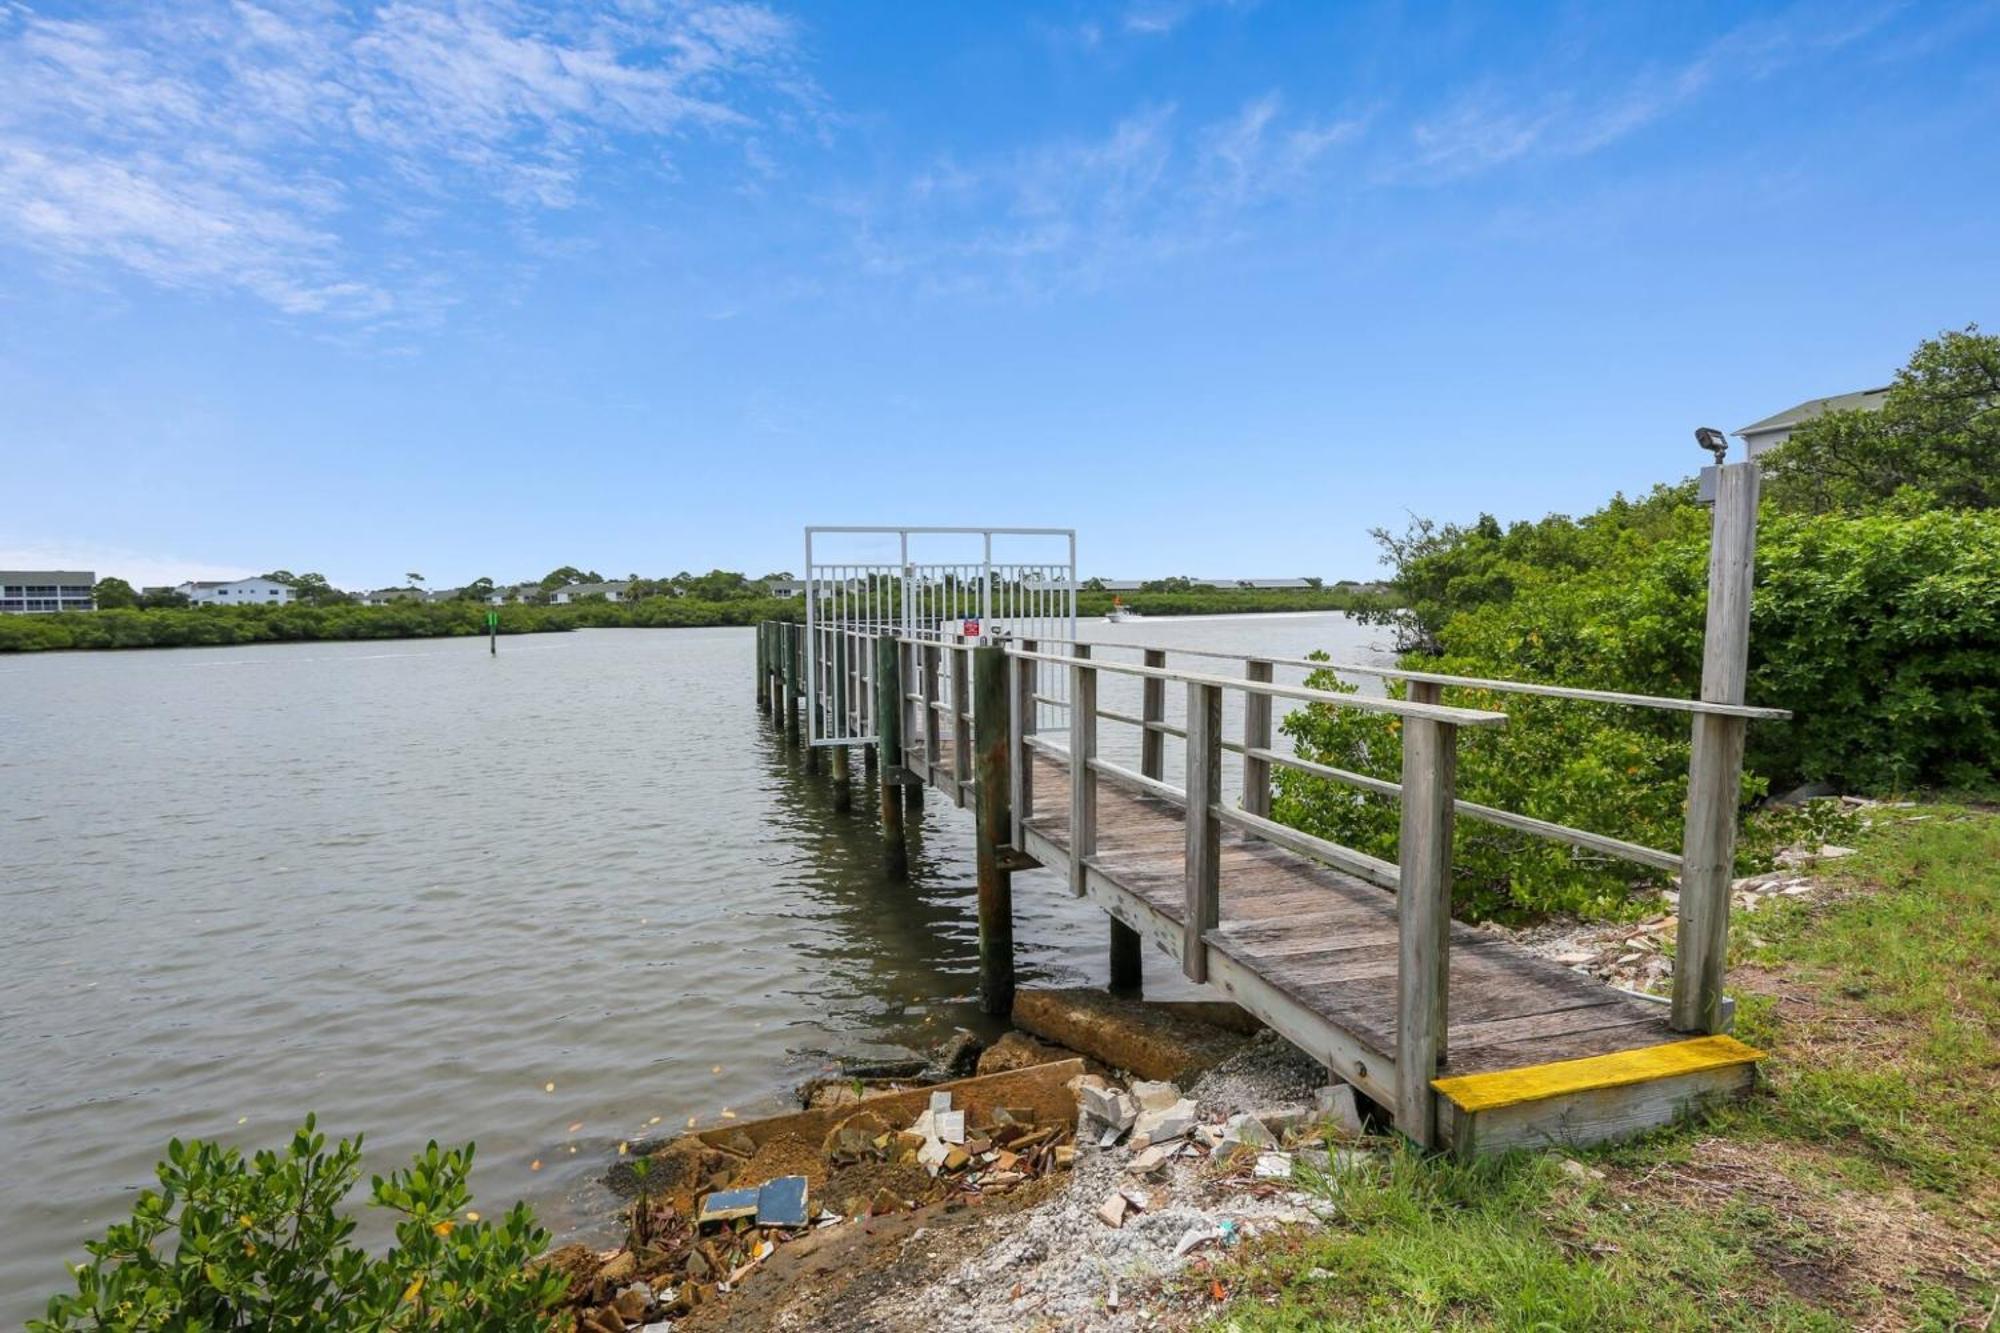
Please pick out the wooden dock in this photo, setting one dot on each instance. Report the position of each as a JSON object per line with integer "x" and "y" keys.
{"x": 1471, "y": 1042}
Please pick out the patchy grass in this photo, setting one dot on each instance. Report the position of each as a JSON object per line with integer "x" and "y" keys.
{"x": 1860, "y": 1187}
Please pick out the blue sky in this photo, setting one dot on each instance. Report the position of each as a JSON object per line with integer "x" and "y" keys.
{"x": 484, "y": 288}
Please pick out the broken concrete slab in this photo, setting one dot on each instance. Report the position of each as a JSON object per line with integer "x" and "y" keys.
{"x": 1112, "y": 1211}
{"x": 1151, "y": 1041}
{"x": 1171, "y": 1122}
{"x": 1337, "y": 1107}
{"x": 1247, "y": 1129}
{"x": 1018, "y": 1050}
{"x": 1153, "y": 1095}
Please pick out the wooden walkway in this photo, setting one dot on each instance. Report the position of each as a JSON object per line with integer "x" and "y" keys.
{"x": 1468, "y": 1040}
{"x": 1312, "y": 951}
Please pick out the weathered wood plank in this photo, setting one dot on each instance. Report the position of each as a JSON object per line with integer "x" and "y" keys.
{"x": 1715, "y": 766}
{"x": 1203, "y": 867}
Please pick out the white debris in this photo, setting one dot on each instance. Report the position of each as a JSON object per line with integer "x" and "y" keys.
{"x": 1154, "y": 1096}
{"x": 1274, "y": 1166}
{"x": 1169, "y": 1122}
{"x": 1337, "y": 1107}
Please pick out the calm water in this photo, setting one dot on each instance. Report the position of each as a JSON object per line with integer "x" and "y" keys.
{"x": 408, "y": 886}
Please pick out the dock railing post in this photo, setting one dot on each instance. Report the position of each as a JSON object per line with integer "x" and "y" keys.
{"x": 889, "y": 735}
{"x": 843, "y": 777}
{"x": 961, "y": 723}
{"x": 933, "y": 739}
{"x": 1021, "y": 725}
{"x": 1082, "y": 778}
{"x": 908, "y": 673}
{"x": 1256, "y": 736}
{"x": 1715, "y": 765}
{"x": 810, "y": 665}
{"x": 1423, "y": 915}
{"x": 1153, "y": 708}
{"x": 996, "y": 826}
{"x": 1203, "y": 865}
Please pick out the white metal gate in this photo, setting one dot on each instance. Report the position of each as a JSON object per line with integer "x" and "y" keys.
{"x": 940, "y": 585}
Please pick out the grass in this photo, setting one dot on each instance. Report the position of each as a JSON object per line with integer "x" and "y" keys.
{"x": 1860, "y": 1186}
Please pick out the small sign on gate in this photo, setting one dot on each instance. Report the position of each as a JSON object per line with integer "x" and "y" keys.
{"x": 970, "y": 629}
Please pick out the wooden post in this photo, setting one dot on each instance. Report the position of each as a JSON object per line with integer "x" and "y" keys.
{"x": 1715, "y": 767}
{"x": 1021, "y": 725}
{"x": 1082, "y": 778}
{"x": 1423, "y": 920}
{"x": 1153, "y": 708}
{"x": 843, "y": 778}
{"x": 996, "y": 825}
{"x": 1203, "y": 866}
{"x": 775, "y": 686}
{"x": 810, "y": 692}
{"x": 790, "y": 683}
{"x": 927, "y": 657}
{"x": 1256, "y": 736}
{"x": 913, "y": 792}
{"x": 961, "y": 724}
{"x": 889, "y": 733}
{"x": 763, "y": 666}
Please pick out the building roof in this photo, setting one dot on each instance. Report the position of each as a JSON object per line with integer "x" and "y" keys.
{"x": 593, "y": 589}
{"x": 1276, "y": 583}
{"x": 47, "y": 576}
{"x": 1862, "y": 400}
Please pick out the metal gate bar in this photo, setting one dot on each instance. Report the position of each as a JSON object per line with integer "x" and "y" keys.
{"x": 849, "y": 603}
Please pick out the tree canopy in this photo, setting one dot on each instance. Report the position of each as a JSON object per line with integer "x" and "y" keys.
{"x": 1935, "y": 441}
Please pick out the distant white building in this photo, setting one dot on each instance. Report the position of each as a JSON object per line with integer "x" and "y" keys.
{"x": 237, "y": 592}
{"x": 35, "y": 591}
{"x": 784, "y": 587}
{"x": 384, "y": 596}
{"x": 576, "y": 592}
{"x": 1773, "y": 431}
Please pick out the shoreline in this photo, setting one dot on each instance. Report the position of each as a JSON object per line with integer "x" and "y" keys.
{"x": 120, "y": 629}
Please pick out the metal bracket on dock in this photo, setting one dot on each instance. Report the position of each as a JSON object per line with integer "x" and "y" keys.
{"x": 1010, "y": 859}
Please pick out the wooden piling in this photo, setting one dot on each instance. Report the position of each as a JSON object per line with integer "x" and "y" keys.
{"x": 1715, "y": 766}
{"x": 843, "y": 778}
{"x": 789, "y": 691}
{"x": 889, "y": 734}
{"x": 1202, "y": 908}
{"x": 1423, "y": 918}
{"x": 763, "y": 652}
{"x": 996, "y": 828}
{"x": 913, "y": 792}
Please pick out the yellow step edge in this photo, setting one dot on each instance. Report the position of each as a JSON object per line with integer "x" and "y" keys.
{"x": 1533, "y": 1083}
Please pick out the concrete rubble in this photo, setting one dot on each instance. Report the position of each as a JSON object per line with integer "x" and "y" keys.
{"x": 1093, "y": 1256}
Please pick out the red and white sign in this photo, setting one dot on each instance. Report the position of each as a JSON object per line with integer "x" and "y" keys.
{"x": 970, "y": 629}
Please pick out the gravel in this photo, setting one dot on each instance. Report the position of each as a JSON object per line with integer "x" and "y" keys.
{"x": 1054, "y": 1265}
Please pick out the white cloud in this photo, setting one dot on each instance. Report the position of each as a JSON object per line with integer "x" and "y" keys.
{"x": 251, "y": 148}
{"x": 1552, "y": 116}
{"x": 1076, "y": 210}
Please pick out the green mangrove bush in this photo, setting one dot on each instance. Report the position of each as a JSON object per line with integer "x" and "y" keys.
{"x": 260, "y": 1243}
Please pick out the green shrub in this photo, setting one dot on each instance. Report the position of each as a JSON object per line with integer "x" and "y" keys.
{"x": 259, "y": 1244}
{"x": 1881, "y": 632}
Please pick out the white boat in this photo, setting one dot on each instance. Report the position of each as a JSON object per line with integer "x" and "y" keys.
{"x": 1120, "y": 613}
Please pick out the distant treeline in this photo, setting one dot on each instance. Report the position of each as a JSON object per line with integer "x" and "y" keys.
{"x": 1224, "y": 601}
{"x": 212, "y": 626}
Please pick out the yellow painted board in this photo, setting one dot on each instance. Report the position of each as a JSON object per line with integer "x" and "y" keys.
{"x": 1533, "y": 1083}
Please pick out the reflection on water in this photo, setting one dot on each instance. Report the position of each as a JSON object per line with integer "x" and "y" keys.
{"x": 409, "y": 886}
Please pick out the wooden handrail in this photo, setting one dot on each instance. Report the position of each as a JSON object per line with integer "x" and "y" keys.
{"x": 1473, "y": 682}
{"x": 1461, "y": 717}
